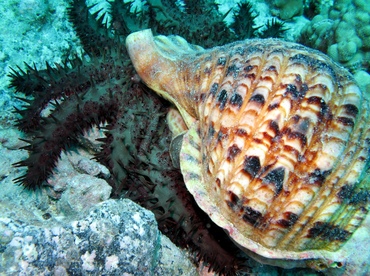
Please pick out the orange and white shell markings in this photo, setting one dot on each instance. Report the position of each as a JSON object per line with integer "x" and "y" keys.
{"x": 277, "y": 146}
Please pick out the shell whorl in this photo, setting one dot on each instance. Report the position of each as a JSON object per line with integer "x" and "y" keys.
{"x": 286, "y": 135}
{"x": 279, "y": 148}
{"x": 165, "y": 59}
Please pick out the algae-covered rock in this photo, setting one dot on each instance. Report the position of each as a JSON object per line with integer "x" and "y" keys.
{"x": 116, "y": 238}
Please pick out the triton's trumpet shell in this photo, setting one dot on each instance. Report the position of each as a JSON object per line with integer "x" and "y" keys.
{"x": 277, "y": 145}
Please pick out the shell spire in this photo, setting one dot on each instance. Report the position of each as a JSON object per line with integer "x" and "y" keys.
{"x": 160, "y": 63}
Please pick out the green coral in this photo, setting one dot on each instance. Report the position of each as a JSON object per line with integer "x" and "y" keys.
{"x": 286, "y": 9}
{"x": 343, "y": 32}
{"x": 315, "y": 7}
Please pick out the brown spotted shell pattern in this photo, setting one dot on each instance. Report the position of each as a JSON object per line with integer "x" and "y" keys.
{"x": 277, "y": 148}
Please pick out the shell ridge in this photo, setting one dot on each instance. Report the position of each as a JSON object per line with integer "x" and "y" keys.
{"x": 320, "y": 207}
{"x": 173, "y": 46}
{"x": 232, "y": 60}
{"x": 313, "y": 78}
{"x": 269, "y": 96}
{"x": 250, "y": 93}
{"x": 344, "y": 167}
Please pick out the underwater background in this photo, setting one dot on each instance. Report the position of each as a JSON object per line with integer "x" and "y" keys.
{"x": 63, "y": 230}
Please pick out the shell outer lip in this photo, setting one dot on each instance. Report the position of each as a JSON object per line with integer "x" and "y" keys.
{"x": 309, "y": 258}
{"x": 260, "y": 253}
